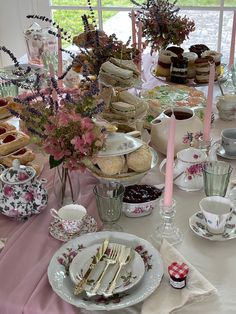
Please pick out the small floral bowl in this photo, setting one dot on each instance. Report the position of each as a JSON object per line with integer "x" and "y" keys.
{"x": 146, "y": 200}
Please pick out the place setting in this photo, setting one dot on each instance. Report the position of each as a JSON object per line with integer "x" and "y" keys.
{"x": 75, "y": 269}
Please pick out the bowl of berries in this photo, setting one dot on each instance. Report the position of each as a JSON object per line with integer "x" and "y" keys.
{"x": 140, "y": 200}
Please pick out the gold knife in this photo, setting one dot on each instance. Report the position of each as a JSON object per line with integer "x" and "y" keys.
{"x": 81, "y": 285}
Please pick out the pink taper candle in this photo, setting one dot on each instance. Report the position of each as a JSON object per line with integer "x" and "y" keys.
{"x": 133, "y": 20}
{"x": 52, "y": 75}
{"x": 208, "y": 109}
{"x": 59, "y": 46}
{"x": 232, "y": 47}
{"x": 170, "y": 162}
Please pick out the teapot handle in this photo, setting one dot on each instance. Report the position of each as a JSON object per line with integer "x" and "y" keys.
{"x": 54, "y": 213}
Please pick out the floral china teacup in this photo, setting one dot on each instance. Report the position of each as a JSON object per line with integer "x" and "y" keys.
{"x": 22, "y": 194}
{"x": 217, "y": 211}
{"x": 71, "y": 217}
{"x": 188, "y": 173}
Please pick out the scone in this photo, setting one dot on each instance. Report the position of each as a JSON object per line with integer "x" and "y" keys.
{"x": 110, "y": 165}
{"x": 6, "y": 127}
{"x": 140, "y": 160}
{"x": 12, "y": 141}
{"x": 24, "y": 155}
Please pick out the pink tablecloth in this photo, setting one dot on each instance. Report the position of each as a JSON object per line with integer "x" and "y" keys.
{"x": 24, "y": 284}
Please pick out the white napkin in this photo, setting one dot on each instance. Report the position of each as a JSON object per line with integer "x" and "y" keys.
{"x": 167, "y": 299}
{"x": 2, "y": 243}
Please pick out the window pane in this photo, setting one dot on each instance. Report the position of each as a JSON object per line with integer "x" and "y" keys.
{"x": 70, "y": 20}
{"x": 117, "y": 3}
{"x": 226, "y": 35}
{"x": 230, "y": 3}
{"x": 200, "y": 3}
{"x": 206, "y": 28}
{"x": 73, "y": 2}
{"x": 118, "y": 23}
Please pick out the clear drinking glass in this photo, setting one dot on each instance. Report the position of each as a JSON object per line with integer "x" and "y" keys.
{"x": 216, "y": 175}
{"x": 109, "y": 199}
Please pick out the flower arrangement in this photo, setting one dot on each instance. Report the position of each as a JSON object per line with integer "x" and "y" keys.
{"x": 161, "y": 23}
{"x": 61, "y": 120}
{"x": 97, "y": 47}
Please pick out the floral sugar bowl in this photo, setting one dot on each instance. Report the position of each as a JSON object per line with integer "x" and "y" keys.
{"x": 22, "y": 194}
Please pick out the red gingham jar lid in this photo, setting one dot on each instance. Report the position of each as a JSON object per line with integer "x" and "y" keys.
{"x": 177, "y": 270}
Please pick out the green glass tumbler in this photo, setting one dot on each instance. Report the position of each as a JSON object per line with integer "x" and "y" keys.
{"x": 109, "y": 200}
{"x": 216, "y": 175}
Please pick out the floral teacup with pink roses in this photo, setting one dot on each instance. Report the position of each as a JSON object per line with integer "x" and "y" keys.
{"x": 21, "y": 194}
{"x": 188, "y": 169}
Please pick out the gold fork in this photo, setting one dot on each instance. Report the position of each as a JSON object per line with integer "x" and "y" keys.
{"x": 112, "y": 258}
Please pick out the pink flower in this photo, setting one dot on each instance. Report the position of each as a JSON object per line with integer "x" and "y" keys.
{"x": 8, "y": 191}
{"x": 88, "y": 138}
{"x": 87, "y": 123}
{"x": 78, "y": 142}
{"x": 63, "y": 118}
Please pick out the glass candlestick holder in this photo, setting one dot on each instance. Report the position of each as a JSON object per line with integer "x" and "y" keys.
{"x": 167, "y": 229}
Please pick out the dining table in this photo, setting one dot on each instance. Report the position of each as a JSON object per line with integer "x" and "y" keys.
{"x": 29, "y": 247}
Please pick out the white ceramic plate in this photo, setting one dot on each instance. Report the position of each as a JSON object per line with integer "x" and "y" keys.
{"x": 58, "y": 271}
{"x": 198, "y": 225}
{"x": 129, "y": 178}
{"x": 120, "y": 144}
{"x": 129, "y": 276}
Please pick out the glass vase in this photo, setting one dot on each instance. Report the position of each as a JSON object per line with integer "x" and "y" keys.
{"x": 66, "y": 185}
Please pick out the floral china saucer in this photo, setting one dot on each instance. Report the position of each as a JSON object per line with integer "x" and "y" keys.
{"x": 56, "y": 230}
{"x": 198, "y": 225}
{"x": 221, "y": 152}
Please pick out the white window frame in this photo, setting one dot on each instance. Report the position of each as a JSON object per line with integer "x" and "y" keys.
{"x": 99, "y": 8}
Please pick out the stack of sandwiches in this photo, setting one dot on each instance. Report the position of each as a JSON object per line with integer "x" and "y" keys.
{"x": 124, "y": 107}
{"x": 119, "y": 73}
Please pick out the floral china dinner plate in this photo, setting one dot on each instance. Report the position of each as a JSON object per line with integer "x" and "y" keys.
{"x": 198, "y": 225}
{"x": 59, "y": 279}
{"x": 129, "y": 276}
{"x": 57, "y": 232}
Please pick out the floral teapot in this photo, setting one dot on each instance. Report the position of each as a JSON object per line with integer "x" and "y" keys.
{"x": 21, "y": 194}
{"x": 187, "y": 122}
{"x": 188, "y": 169}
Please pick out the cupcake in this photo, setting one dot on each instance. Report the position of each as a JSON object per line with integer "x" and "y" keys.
{"x": 175, "y": 49}
{"x": 217, "y": 59}
{"x": 198, "y": 49}
{"x": 164, "y": 63}
{"x": 191, "y": 56}
{"x": 203, "y": 69}
{"x": 179, "y": 69}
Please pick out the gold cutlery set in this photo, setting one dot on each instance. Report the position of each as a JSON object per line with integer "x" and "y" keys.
{"x": 113, "y": 255}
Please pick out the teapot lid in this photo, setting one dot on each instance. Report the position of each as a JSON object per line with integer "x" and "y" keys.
{"x": 17, "y": 174}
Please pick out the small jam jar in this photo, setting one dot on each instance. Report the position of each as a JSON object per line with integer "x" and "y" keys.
{"x": 178, "y": 273}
